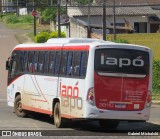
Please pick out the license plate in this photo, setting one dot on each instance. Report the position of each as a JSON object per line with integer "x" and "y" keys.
{"x": 120, "y": 105}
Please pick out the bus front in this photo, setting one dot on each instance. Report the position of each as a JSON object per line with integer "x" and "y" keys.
{"x": 122, "y": 83}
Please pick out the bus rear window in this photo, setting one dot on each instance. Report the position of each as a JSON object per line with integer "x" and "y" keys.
{"x": 125, "y": 61}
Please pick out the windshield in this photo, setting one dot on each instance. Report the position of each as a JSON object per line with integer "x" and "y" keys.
{"x": 126, "y": 61}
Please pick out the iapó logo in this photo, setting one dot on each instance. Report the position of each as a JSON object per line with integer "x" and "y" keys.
{"x": 121, "y": 62}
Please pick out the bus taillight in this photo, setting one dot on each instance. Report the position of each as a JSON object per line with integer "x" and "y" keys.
{"x": 91, "y": 96}
{"x": 149, "y": 99}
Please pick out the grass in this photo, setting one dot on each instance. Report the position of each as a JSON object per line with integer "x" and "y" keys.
{"x": 151, "y": 40}
{"x": 31, "y": 35}
{"x": 28, "y": 26}
{"x": 25, "y": 26}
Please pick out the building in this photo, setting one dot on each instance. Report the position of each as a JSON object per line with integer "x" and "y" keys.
{"x": 8, "y": 6}
{"x": 142, "y": 19}
{"x": 128, "y": 2}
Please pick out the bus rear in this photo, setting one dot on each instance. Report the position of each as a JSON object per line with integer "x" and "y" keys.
{"x": 122, "y": 83}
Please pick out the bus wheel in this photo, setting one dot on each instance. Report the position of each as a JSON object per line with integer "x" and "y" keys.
{"x": 108, "y": 124}
{"x": 58, "y": 120}
{"x": 18, "y": 107}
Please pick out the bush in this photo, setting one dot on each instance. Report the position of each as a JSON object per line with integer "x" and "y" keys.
{"x": 156, "y": 77}
{"x": 51, "y": 13}
{"x": 1, "y": 16}
{"x": 44, "y": 36}
{"x": 54, "y": 34}
{"x": 83, "y": 2}
{"x": 26, "y": 19}
{"x": 12, "y": 19}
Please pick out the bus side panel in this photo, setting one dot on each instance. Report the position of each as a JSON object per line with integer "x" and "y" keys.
{"x": 39, "y": 95}
{"x": 71, "y": 92}
{"x": 16, "y": 86}
{"x": 89, "y": 81}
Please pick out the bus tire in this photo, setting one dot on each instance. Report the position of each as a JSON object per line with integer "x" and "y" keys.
{"x": 58, "y": 120}
{"x": 18, "y": 107}
{"x": 109, "y": 124}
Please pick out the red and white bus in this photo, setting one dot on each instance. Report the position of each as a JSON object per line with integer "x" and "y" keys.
{"x": 81, "y": 79}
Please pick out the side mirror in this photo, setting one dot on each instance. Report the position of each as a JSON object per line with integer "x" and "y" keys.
{"x": 8, "y": 65}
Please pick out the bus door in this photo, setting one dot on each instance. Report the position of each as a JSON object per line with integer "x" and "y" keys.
{"x": 121, "y": 79}
{"x": 72, "y": 82}
{"x": 65, "y": 82}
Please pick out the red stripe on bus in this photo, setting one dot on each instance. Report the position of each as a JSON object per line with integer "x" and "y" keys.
{"x": 80, "y": 48}
{"x": 14, "y": 80}
{"x": 45, "y": 111}
{"x": 68, "y": 116}
{"x": 39, "y": 100}
{"x": 36, "y": 109}
{"x": 39, "y": 48}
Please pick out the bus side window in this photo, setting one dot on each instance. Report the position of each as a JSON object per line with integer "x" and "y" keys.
{"x": 13, "y": 69}
{"x": 35, "y": 62}
{"x": 46, "y": 62}
{"x": 69, "y": 63}
{"x": 14, "y": 64}
{"x": 25, "y": 60}
{"x": 30, "y": 61}
{"x": 84, "y": 61}
{"x": 51, "y": 62}
{"x": 41, "y": 62}
{"x": 76, "y": 63}
{"x": 21, "y": 62}
{"x": 63, "y": 67}
{"x": 57, "y": 62}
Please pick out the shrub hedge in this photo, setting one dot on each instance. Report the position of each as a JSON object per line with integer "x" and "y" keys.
{"x": 44, "y": 36}
{"x": 156, "y": 77}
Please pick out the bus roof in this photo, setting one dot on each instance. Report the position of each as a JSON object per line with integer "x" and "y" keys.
{"x": 59, "y": 42}
{"x": 73, "y": 40}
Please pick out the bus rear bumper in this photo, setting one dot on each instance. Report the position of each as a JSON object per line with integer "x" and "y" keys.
{"x": 95, "y": 113}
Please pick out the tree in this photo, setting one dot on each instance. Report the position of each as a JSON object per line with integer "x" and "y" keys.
{"x": 51, "y": 13}
{"x": 83, "y": 2}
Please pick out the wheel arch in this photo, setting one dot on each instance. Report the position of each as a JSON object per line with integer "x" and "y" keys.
{"x": 17, "y": 93}
{"x": 55, "y": 100}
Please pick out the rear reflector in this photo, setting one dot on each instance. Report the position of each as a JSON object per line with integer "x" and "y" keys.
{"x": 91, "y": 96}
{"x": 149, "y": 99}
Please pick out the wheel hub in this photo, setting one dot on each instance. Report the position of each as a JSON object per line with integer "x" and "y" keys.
{"x": 19, "y": 106}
